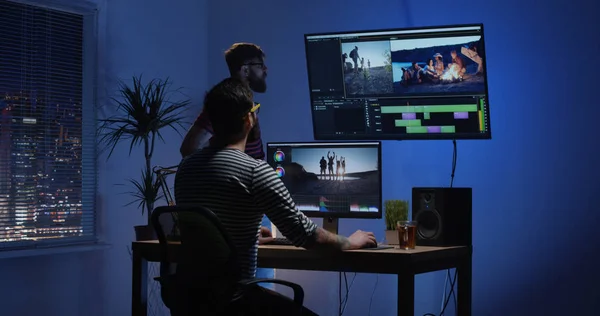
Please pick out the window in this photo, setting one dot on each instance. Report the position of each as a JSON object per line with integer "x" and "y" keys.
{"x": 47, "y": 126}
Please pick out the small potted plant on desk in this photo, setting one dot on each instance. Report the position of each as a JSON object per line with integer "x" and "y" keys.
{"x": 395, "y": 211}
{"x": 143, "y": 112}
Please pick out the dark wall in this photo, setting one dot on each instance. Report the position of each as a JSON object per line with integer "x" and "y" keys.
{"x": 534, "y": 183}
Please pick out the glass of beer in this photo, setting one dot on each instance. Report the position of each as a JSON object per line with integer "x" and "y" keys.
{"x": 407, "y": 234}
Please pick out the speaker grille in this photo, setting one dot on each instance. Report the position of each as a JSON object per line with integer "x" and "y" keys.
{"x": 429, "y": 224}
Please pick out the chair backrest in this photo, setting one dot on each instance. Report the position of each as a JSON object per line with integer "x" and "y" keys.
{"x": 201, "y": 233}
{"x": 208, "y": 259}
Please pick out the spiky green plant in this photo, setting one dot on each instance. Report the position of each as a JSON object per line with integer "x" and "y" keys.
{"x": 143, "y": 112}
{"x": 395, "y": 210}
{"x": 145, "y": 191}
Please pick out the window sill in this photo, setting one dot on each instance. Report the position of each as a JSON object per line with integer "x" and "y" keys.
{"x": 8, "y": 254}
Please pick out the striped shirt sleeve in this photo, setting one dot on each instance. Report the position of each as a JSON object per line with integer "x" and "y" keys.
{"x": 271, "y": 195}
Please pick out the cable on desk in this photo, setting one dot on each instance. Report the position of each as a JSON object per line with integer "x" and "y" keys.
{"x": 343, "y": 302}
{"x": 446, "y": 299}
{"x": 373, "y": 293}
{"x": 451, "y": 294}
{"x": 454, "y": 158}
{"x": 446, "y": 278}
{"x": 374, "y": 287}
{"x": 452, "y": 283}
{"x": 340, "y": 294}
{"x": 348, "y": 288}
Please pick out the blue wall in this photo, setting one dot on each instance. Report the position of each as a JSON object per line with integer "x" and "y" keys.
{"x": 534, "y": 183}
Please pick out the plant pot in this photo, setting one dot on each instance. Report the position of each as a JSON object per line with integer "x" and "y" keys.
{"x": 391, "y": 236}
{"x": 144, "y": 232}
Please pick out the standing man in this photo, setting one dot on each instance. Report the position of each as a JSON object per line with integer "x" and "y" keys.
{"x": 246, "y": 62}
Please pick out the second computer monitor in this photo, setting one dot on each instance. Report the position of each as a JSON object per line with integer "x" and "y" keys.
{"x": 331, "y": 180}
{"x": 409, "y": 83}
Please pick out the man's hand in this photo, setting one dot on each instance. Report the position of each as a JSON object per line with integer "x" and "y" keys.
{"x": 361, "y": 239}
{"x": 326, "y": 240}
{"x": 265, "y": 235}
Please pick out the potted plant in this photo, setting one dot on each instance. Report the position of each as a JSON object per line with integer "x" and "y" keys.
{"x": 395, "y": 211}
{"x": 143, "y": 112}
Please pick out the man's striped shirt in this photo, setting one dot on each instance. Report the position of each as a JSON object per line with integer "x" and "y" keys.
{"x": 240, "y": 190}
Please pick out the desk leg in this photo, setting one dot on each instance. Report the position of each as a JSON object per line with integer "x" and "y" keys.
{"x": 464, "y": 285}
{"x": 139, "y": 295}
{"x": 406, "y": 294}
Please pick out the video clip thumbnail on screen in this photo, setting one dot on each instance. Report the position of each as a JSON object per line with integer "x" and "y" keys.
{"x": 337, "y": 180}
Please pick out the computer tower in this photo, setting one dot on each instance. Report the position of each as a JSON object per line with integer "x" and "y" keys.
{"x": 443, "y": 216}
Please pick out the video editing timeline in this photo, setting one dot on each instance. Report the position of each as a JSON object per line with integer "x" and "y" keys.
{"x": 326, "y": 178}
{"x": 417, "y": 83}
{"x": 422, "y": 116}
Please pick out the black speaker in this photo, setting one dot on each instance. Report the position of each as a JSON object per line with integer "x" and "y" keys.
{"x": 443, "y": 216}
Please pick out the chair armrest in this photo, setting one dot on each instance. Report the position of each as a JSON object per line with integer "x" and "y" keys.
{"x": 298, "y": 291}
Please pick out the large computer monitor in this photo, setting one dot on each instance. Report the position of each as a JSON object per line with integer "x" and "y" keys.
{"x": 399, "y": 84}
{"x": 331, "y": 180}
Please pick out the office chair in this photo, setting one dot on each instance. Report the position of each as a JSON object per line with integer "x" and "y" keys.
{"x": 207, "y": 280}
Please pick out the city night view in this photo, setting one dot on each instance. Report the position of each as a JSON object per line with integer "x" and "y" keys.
{"x": 41, "y": 74}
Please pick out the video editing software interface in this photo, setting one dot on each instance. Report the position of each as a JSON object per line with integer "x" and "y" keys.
{"x": 331, "y": 179}
{"x": 399, "y": 84}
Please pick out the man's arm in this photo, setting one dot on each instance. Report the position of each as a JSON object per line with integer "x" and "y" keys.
{"x": 197, "y": 136}
{"x": 326, "y": 240}
{"x": 271, "y": 195}
{"x": 190, "y": 141}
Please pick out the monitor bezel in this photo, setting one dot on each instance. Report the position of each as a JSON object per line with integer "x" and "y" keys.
{"x": 434, "y": 136}
{"x": 357, "y": 215}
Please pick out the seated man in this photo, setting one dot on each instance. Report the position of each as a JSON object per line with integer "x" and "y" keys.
{"x": 240, "y": 189}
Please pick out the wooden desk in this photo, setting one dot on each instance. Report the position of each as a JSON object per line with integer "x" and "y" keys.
{"x": 404, "y": 263}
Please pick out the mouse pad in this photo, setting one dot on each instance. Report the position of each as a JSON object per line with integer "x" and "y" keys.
{"x": 380, "y": 247}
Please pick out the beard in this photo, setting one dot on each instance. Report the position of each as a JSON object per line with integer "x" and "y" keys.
{"x": 257, "y": 84}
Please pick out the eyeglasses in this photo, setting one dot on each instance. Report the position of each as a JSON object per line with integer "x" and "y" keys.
{"x": 254, "y": 109}
{"x": 261, "y": 65}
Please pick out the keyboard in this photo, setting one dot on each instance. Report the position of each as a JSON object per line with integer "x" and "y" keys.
{"x": 280, "y": 241}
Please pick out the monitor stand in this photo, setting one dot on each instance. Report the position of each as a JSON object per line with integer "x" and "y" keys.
{"x": 330, "y": 225}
